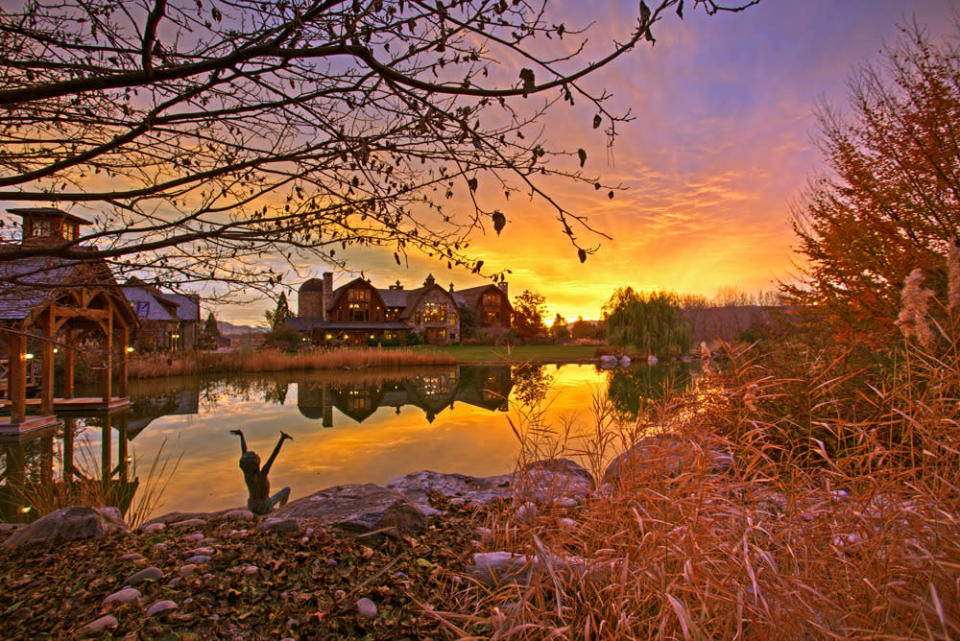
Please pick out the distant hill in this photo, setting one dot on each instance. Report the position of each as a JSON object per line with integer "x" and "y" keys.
{"x": 227, "y": 329}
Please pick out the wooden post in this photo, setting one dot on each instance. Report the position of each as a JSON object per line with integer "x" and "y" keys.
{"x": 125, "y": 337}
{"x": 46, "y": 364}
{"x": 108, "y": 362}
{"x": 68, "y": 360}
{"x": 106, "y": 452}
{"x": 46, "y": 461}
{"x": 17, "y": 384}
{"x": 69, "y": 425}
{"x": 122, "y": 447}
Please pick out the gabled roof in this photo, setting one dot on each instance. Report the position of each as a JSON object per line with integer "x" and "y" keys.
{"x": 152, "y": 304}
{"x": 394, "y": 297}
{"x": 35, "y": 280}
{"x": 414, "y": 296}
{"x": 471, "y": 297}
{"x": 149, "y": 307}
{"x": 338, "y": 292}
{"x": 188, "y": 307}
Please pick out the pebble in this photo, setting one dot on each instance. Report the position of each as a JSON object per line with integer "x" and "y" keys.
{"x": 484, "y": 533}
{"x": 205, "y": 551}
{"x": 527, "y": 513}
{"x": 279, "y": 525}
{"x": 108, "y": 622}
{"x": 251, "y": 570}
{"x": 193, "y": 538}
{"x": 331, "y": 563}
{"x": 174, "y": 582}
{"x": 198, "y": 559}
{"x": 288, "y": 639}
{"x": 154, "y": 527}
{"x": 189, "y": 523}
{"x": 238, "y": 515}
{"x": 126, "y": 595}
{"x": 158, "y": 547}
{"x": 566, "y": 502}
{"x": 146, "y": 574}
{"x": 132, "y": 556}
{"x": 292, "y": 623}
{"x": 160, "y": 607}
{"x": 238, "y": 532}
{"x": 568, "y": 523}
{"x": 366, "y": 608}
{"x": 188, "y": 569}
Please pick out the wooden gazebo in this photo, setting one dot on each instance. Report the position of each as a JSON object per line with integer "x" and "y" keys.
{"x": 57, "y": 304}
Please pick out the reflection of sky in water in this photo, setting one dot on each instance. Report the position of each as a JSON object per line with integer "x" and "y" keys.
{"x": 386, "y": 445}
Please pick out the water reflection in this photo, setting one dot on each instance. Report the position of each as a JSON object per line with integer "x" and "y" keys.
{"x": 385, "y": 424}
{"x": 434, "y": 391}
{"x": 630, "y": 390}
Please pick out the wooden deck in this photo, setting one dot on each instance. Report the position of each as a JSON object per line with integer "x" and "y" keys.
{"x": 81, "y": 404}
{"x": 31, "y": 427}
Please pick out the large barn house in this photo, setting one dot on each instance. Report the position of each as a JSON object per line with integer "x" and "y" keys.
{"x": 359, "y": 313}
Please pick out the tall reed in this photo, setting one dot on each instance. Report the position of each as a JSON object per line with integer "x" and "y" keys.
{"x": 840, "y": 518}
{"x": 272, "y": 360}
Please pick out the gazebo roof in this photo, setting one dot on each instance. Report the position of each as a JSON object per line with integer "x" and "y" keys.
{"x": 33, "y": 281}
{"x": 48, "y": 211}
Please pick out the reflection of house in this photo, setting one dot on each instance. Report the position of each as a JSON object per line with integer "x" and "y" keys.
{"x": 484, "y": 387}
{"x": 146, "y": 409}
{"x": 168, "y": 321}
{"x": 358, "y": 312}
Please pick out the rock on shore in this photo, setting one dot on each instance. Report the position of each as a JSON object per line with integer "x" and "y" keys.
{"x": 70, "y": 523}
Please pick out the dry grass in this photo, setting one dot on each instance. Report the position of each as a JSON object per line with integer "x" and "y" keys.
{"x": 271, "y": 360}
{"x": 839, "y": 519}
{"x": 88, "y": 487}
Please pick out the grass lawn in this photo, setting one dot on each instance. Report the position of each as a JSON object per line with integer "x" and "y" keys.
{"x": 518, "y": 353}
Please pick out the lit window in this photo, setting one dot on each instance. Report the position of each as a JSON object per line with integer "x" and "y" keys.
{"x": 434, "y": 312}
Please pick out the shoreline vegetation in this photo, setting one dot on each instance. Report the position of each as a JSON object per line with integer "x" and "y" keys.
{"x": 156, "y": 365}
{"x": 271, "y": 360}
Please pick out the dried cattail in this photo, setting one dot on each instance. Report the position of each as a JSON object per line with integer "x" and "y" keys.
{"x": 750, "y": 397}
{"x": 953, "y": 277}
{"x": 912, "y": 319}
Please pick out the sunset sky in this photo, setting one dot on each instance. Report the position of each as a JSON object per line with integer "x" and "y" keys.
{"x": 722, "y": 144}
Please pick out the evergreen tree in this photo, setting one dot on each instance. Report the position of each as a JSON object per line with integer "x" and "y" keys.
{"x": 559, "y": 329}
{"x": 279, "y": 316}
{"x": 211, "y": 333}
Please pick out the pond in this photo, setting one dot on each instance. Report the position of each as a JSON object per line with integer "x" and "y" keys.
{"x": 361, "y": 426}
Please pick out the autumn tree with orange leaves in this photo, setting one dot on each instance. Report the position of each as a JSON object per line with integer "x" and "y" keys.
{"x": 891, "y": 202}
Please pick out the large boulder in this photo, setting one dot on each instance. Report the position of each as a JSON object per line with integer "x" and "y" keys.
{"x": 666, "y": 455}
{"x": 70, "y": 523}
{"x": 357, "y": 508}
{"x": 545, "y": 482}
{"x": 468, "y": 489}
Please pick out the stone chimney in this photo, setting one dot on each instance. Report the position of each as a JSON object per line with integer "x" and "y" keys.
{"x": 326, "y": 294}
{"x": 503, "y": 287}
